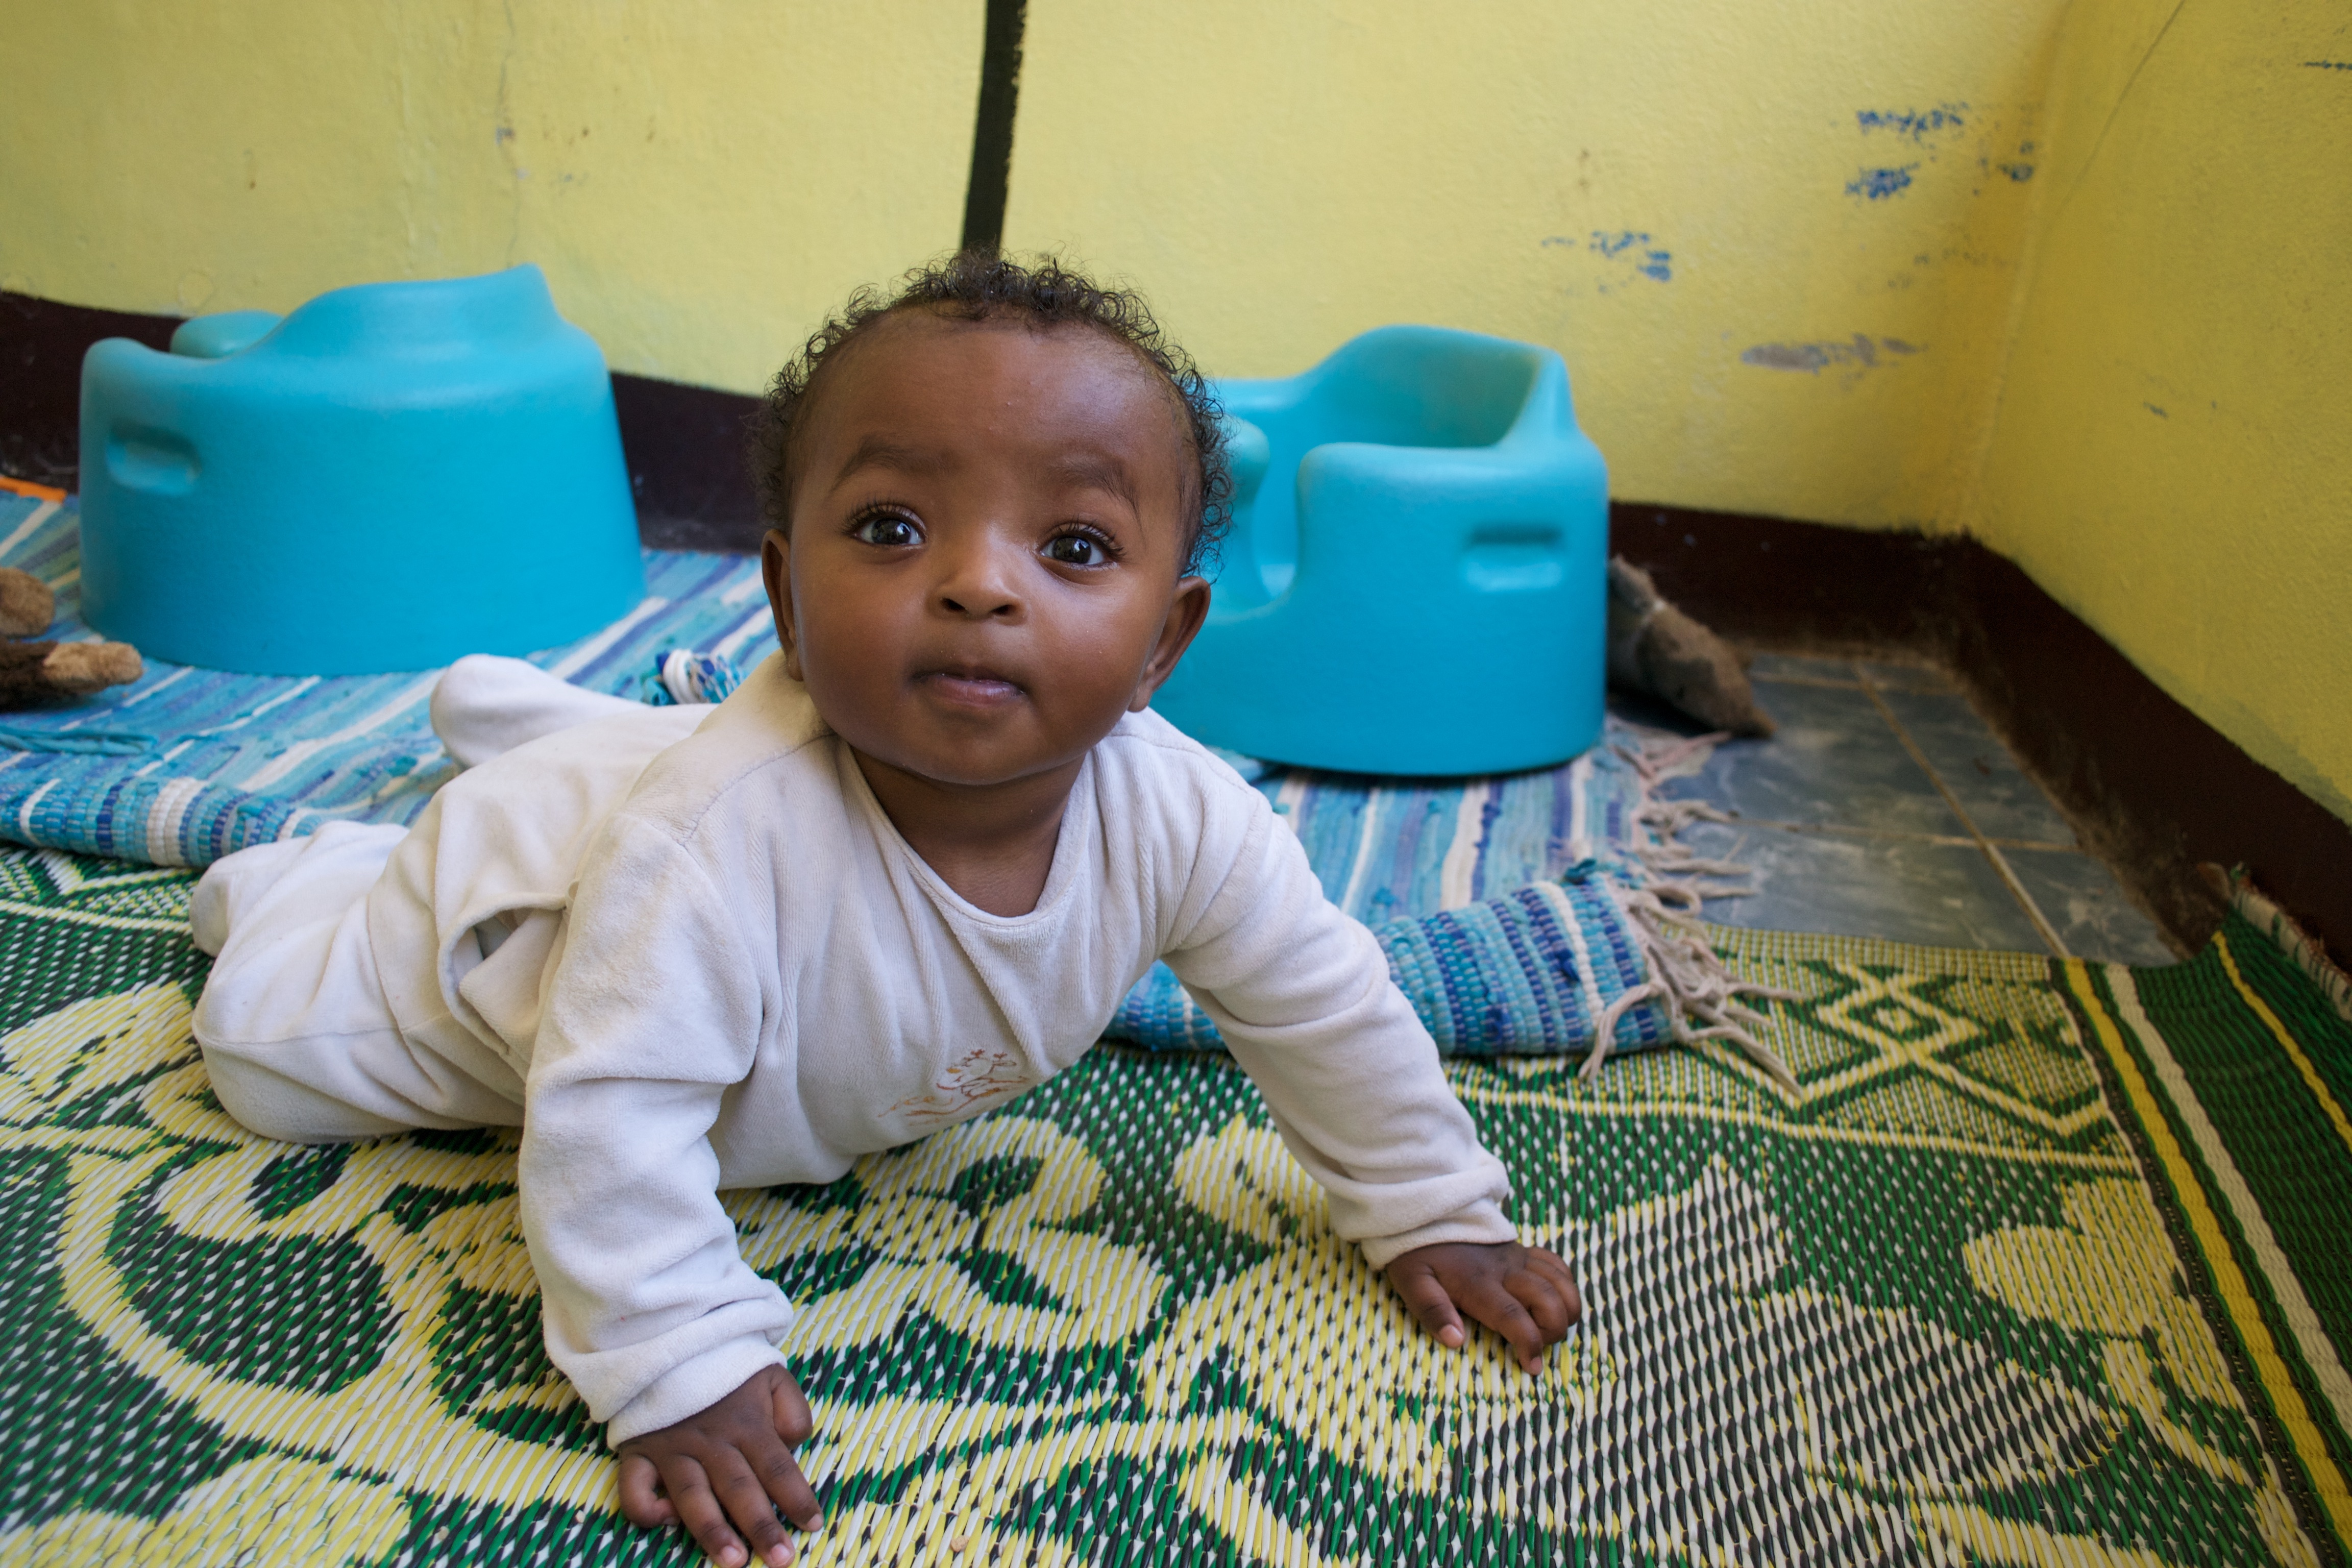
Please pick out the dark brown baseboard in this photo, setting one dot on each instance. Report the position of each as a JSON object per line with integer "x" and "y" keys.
{"x": 686, "y": 468}
{"x": 41, "y": 345}
{"x": 2152, "y": 788}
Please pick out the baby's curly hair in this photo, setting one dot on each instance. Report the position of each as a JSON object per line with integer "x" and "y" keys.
{"x": 979, "y": 286}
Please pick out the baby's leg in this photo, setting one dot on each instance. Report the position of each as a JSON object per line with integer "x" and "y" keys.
{"x": 485, "y": 704}
{"x": 298, "y": 1038}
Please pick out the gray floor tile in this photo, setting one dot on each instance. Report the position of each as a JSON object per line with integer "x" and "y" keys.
{"x": 1907, "y": 676}
{"x": 2078, "y": 896}
{"x": 1796, "y": 667}
{"x": 1834, "y": 761}
{"x": 1976, "y": 768}
{"x": 1938, "y": 895}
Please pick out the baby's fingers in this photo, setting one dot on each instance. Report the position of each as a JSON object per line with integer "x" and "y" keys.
{"x": 1548, "y": 1263}
{"x": 1425, "y": 1298}
{"x": 1540, "y": 1295}
{"x": 780, "y": 1478}
{"x": 1501, "y": 1310}
{"x": 641, "y": 1495}
{"x": 698, "y": 1510}
{"x": 746, "y": 1497}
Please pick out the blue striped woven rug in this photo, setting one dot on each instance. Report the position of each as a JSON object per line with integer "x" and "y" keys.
{"x": 186, "y": 766}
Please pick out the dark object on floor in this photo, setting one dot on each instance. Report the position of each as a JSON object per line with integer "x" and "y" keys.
{"x": 1657, "y": 650}
{"x": 35, "y": 674}
{"x": 26, "y": 603}
{"x": 38, "y": 673}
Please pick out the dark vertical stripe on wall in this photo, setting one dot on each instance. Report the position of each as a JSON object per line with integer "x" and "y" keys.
{"x": 991, "y": 133}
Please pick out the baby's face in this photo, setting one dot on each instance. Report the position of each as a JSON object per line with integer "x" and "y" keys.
{"x": 983, "y": 570}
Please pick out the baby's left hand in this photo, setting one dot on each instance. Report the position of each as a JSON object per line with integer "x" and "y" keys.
{"x": 1523, "y": 1293}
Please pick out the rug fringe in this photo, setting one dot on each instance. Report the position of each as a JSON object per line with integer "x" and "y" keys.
{"x": 2275, "y": 924}
{"x": 1687, "y": 977}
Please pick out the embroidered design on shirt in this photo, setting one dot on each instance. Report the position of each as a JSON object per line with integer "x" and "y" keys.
{"x": 966, "y": 1087}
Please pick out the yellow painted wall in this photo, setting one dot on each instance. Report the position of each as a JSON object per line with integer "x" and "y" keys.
{"x": 701, "y": 179}
{"x": 2172, "y": 452}
{"x": 1282, "y": 177}
{"x": 1932, "y": 265}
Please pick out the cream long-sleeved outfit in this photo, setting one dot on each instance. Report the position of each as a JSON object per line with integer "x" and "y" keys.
{"x": 712, "y": 962}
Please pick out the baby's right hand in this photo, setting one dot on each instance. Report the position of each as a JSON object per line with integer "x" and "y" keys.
{"x": 738, "y": 1454}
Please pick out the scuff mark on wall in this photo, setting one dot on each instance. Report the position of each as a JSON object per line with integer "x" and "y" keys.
{"x": 1877, "y": 185}
{"x": 1861, "y": 351}
{"x": 503, "y": 134}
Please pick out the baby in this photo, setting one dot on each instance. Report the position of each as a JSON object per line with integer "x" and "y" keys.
{"x": 906, "y": 871}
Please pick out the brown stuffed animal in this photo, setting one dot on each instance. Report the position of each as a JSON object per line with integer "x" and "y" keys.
{"x": 33, "y": 674}
{"x": 1655, "y": 648}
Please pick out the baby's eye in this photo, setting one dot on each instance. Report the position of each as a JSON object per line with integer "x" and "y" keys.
{"x": 1076, "y": 550}
{"x": 887, "y": 529}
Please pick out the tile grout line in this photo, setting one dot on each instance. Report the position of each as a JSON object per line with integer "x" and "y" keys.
{"x": 1942, "y": 840}
{"x": 2000, "y": 862}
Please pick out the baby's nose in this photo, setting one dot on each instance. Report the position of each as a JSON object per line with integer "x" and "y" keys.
{"x": 979, "y": 607}
{"x": 978, "y": 586}
{"x": 983, "y": 604}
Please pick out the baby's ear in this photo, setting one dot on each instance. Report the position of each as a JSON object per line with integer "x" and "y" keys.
{"x": 1186, "y": 612}
{"x": 776, "y": 572}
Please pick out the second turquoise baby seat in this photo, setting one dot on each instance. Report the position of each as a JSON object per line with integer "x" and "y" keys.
{"x": 392, "y": 477}
{"x": 1415, "y": 581}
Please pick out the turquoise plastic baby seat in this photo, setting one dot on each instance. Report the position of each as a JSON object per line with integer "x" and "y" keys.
{"x": 1415, "y": 580}
{"x": 391, "y": 477}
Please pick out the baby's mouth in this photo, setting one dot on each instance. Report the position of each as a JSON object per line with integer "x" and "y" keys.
{"x": 972, "y": 687}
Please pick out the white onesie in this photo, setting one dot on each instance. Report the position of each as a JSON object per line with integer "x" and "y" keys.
{"x": 714, "y": 963}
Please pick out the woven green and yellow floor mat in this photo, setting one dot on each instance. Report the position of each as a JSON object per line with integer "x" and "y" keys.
{"x": 2041, "y": 1264}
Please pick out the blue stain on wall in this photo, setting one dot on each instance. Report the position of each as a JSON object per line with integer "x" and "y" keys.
{"x": 1913, "y": 124}
{"x": 2021, "y": 173}
{"x": 1877, "y": 185}
{"x": 1635, "y": 245}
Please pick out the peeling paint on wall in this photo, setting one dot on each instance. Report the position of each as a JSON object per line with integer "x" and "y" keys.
{"x": 1860, "y": 350}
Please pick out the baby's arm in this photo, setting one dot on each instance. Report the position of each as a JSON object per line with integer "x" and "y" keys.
{"x": 652, "y": 1014}
{"x": 1303, "y": 997}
